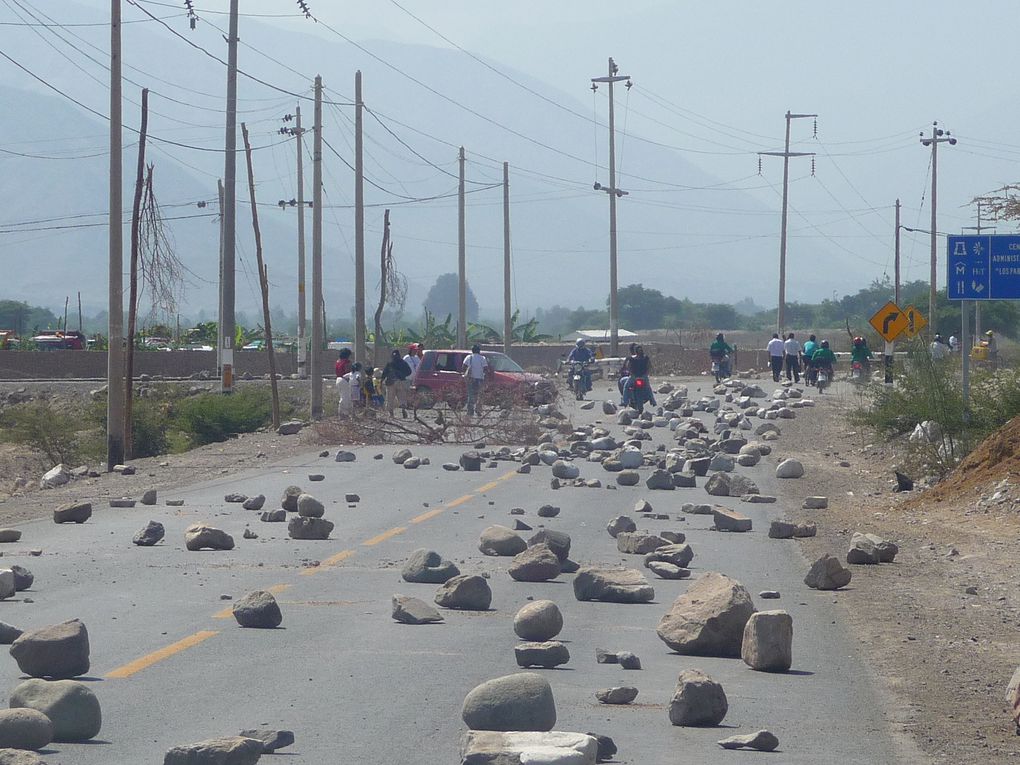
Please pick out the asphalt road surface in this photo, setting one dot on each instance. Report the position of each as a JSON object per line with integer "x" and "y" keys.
{"x": 170, "y": 665}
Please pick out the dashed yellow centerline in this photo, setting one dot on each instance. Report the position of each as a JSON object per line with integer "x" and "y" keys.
{"x": 332, "y": 560}
{"x": 397, "y": 531}
{"x": 428, "y": 514}
{"x": 163, "y": 653}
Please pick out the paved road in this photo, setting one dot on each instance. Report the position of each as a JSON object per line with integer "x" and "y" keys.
{"x": 170, "y": 665}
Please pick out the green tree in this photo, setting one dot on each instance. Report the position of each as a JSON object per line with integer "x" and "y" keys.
{"x": 444, "y": 298}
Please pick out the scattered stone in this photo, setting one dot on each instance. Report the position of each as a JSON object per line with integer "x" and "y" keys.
{"x": 548, "y": 511}
{"x": 235, "y": 498}
{"x": 9, "y": 535}
{"x": 413, "y": 611}
{"x": 684, "y": 480}
{"x": 259, "y": 610}
{"x": 8, "y": 634}
{"x": 175, "y": 503}
{"x": 520, "y": 702}
{"x": 521, "y": 526}
{"x": 612, "y": 585}
{"x": 603, "y": 656}
{"x": 677, "y": 554}
{"x": 862, "y": 551}
{"x": 149, "y": 497}
{"x": 547, "y": 655}
{"x": 789, "y": 468}
{"x": 718, "y": 485}
{"x": 628, "y": 660}
{"x": 639, "y": 542}
{"x": 763, "y": 741}
{"x": 698, "y": 700}
{"x": 309, "y": 528}
{"x": 741, "y": 485}
{"x": 628, "y": 478}
{"x": 816, "y": 503}
{"x": 558, "y": 542}
{"x": 536, "y": 564}
{"x": 696, "y": 509}
{"x": 471, "y": 461}
{"x": 24, "y": 729}
{"x": 758, "y": 499}
{"x": 903, "y": 483}
{"x": 124, "y": 469}
{"x": 555, "y": 748}
{"x": 309, "y": 507}
{"x": 622, "y": 694}
{"x": 150, "y": 535}
{"x": 254, "y": 503}
{"x": 290, "y": 497}
{"x": 452, "y": 467}
{"x": 827, "y": 573}
{"x": 200, "y": 536}
{"x": 271, "y": 739}
{"x": 499, "y": 540}
{"x": 768, "y": 595}
{"x": 413, "y": 463}
{"x": 660, "y": 480}
{"x": 19, "y": 757}
{"x": 708, "y": 619}
{"x": 467, "y": 592}
{"x": 538, "y": 621}
{"x": 768, "y": 641}
{"x": 730, "y": 520}
{"x": 606, "y": 748}
{"x": 428, "y": 567}
{"x": 780, "y": 529}
{"x": 274, "y": 516}
{"x": 608, "y": 407}
{"x": 621, "y": 523}
{"x": 75, "y": 512}
{"x": 71, "y": 707}
{"x": 343, "y": 456}
{"x": 23, "y": 578}
{"x": 60, "y": 651}
{"x": 7, "y": 586}
{"x": 565, "y": 471}
{"x": 352, "y": 498}
{"x": 673, "y": 537}
{"x": 123, "y": 502}
{"x": 524, "y": 469}
{"x": 665, "y": 570}
{"x": 805, "y": 530}
{"x": 233, "y": 750}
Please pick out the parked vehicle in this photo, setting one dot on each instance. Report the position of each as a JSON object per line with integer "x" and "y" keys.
{"x": 8, "y": 339}
{"x": 57, "y": 340}
{"x": 439, "y": 378}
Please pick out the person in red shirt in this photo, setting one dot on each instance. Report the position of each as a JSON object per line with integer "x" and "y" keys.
{"x": 343, "y": 364}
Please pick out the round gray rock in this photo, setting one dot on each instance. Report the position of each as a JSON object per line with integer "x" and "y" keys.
{"x": 71, "y": 706}
{"x": 698, "y": 700}
{"x": 468, "y": 592}
{"x": 258, "y": 609}
{"x": 309, "y": 507}
{"x": 428, "y": 567}
{"x": 499, "y": 540}
{"x": 538, "y": 621}
{"x": 521, "y": 702}
{"x": 59, "y": 651}
{"x": 24, "y": 729}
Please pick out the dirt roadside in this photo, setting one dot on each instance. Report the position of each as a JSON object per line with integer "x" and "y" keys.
{"x": 938, "y": 626}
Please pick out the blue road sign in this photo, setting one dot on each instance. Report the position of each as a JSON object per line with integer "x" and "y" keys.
{"x": 983, "y": 267}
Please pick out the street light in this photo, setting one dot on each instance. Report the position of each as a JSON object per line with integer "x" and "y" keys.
{"x": 938, "y": 135}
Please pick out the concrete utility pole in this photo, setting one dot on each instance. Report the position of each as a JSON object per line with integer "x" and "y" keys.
{"x": 507, "y": 317}
{"x": 461, "y": 259}
{"x": 896, "y": 292}
{"x": 225, "y": 346}
{"x": 115, "y": 353}
{"x": 785, "y": 154}
{"x": 318, "y": 328}
{"x": 938, "y": 135}
{"x": 360, "y": 348}
{"x": 302, "y": 361}
{"x": 614, "y": 193}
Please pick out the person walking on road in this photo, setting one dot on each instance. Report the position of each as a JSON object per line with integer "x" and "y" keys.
{"x": 792, "y": 349}
{"x": 475, "y": 366}
{"x": 413, "y": 357}
{"x": 776, "y": 352}
{"x": 938, "y": 348}
{"x": 395, "y": 377}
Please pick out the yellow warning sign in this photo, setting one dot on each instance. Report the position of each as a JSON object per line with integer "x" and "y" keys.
{"x": 889, "y": 321}
{"x": 915, "y": 322}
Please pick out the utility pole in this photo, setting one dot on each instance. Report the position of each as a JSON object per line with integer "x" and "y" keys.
{"x": 461, "y": 258}
{"x": 302, "y": 363}
{"x": 115, "y": 347}
{"x": 318, "y": 328}
{"x": 896, "y": 292}
{"x": 938, "y": 135}
{"x": 360, "y": 348}
{"x": 225, "y": 346}
{"x": 507, "y": 321}
{"x": 785, "y": 154}
{"x": 614, "y": 193}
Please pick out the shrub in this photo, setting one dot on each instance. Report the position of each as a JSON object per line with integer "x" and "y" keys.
{"x": 211, "y": 417}
{"x": 40, "y": 426}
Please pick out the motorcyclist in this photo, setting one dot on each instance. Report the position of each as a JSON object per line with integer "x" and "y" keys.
{"x": 639, "y": 366}
{"x": 861, "y": 354}
{"x": 582, "y": 354}
{"x": 823, "y": 359}
{"x": 720, "y": 352}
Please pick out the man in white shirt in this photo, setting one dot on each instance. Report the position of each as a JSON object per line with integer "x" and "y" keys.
{"x": 792, "y": 349}
{"x": 413, "y": 357}
{"x": 475, "y": 365}
{"x": 776, "y": 353}
{"x": 938, "y": 348}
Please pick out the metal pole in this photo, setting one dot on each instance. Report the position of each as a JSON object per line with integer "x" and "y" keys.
{"x": 360, "y": 349}
{"x": 226, "y": 328}
{"x": 933, "y": 271}
{"x": 461, "y": 259}
{"x": 965, "y": 344}
{"x": 507, "y": 319}
{"x": 896, "y": 293}
{"x": 781, "y": 311}
{"x": 115, "y": 353}
{"x": 614, "y": 303}
{"x": 302, "y": 360}
{"x": 315, "y": 357}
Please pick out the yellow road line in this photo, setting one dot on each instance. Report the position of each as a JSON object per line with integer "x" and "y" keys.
{"x": 331, "y": 561}
{"x": 384, "y": 536}
{"x": 276, "y": 589}
{"x": 491, "y": 485}
{"x": 422, "y": 517}
{"x": 460, "y": 500}
{"x": 157, "y": 656}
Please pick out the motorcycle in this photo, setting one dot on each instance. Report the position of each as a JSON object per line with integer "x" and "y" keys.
{"x": 720, "y": 368}
{"x": 579, "y": 379}
{"x": 822, "y": 378}
{"x": 640, "y": 393}
{"x": 856, "y": 371}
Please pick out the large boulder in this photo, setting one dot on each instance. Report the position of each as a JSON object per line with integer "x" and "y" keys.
{"x": 299, "y": 527}
{"x": 661, "y": 480}
{"x": 201, "y": 536}
{"x": 718, "y": 485}
{"x": 232, "y": 750}
{"x": 74, "y": 512}
{"x": 521, "y": 702}
{"x": 613, "y": 585}
{"x": 152, "y": 534}
{"x": 708, "y": 619}
{"x": 71, "y": 706}
{"x": 290, "y": 497}
{"x": 698, "y": 700}
{"x": 827, "y": 573}
{"x": 621, "y": 523}
{"x": 24, "y": 729}
{"x": 536, "y": 564}
{"x": 768, "y": 641}
{"x": 730, "y": 520}
{"x": 259, "y": 610}
{"x": 548, "y": 655}
{"x": 499, "y": 540}
{"x": 631, "y": 459}
{"x": 565, "y": 470}
{"x": 428, "y": 567}
{"x": 23, "y": 578}
{"x": 413, "y": 611}
{"x": 862, "y": 551}
{"x": 59, "y": 651}
{"x": 538, "y": 621}
{"x": 467, "y": 592}
{"x": 554, "y": 748}
{"x": 679, "y": 555}
{"x": 628, "y": 478}
{"x": 54, "y": 477}
{"x": 557, "y": 541}
{"x": 8, "y": 583}
{"x": 309, "y": 507}
{"x": 789, "y": 468}
{"x": 639, "y": 542}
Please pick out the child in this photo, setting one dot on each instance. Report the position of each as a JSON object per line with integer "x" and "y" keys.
{"x": 371, "y": 398}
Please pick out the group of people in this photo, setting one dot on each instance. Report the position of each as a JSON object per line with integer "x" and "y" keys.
{"x": 986, "y": 349}
{"x": 787, "y": 354}
{"x": 362, "y": 387}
